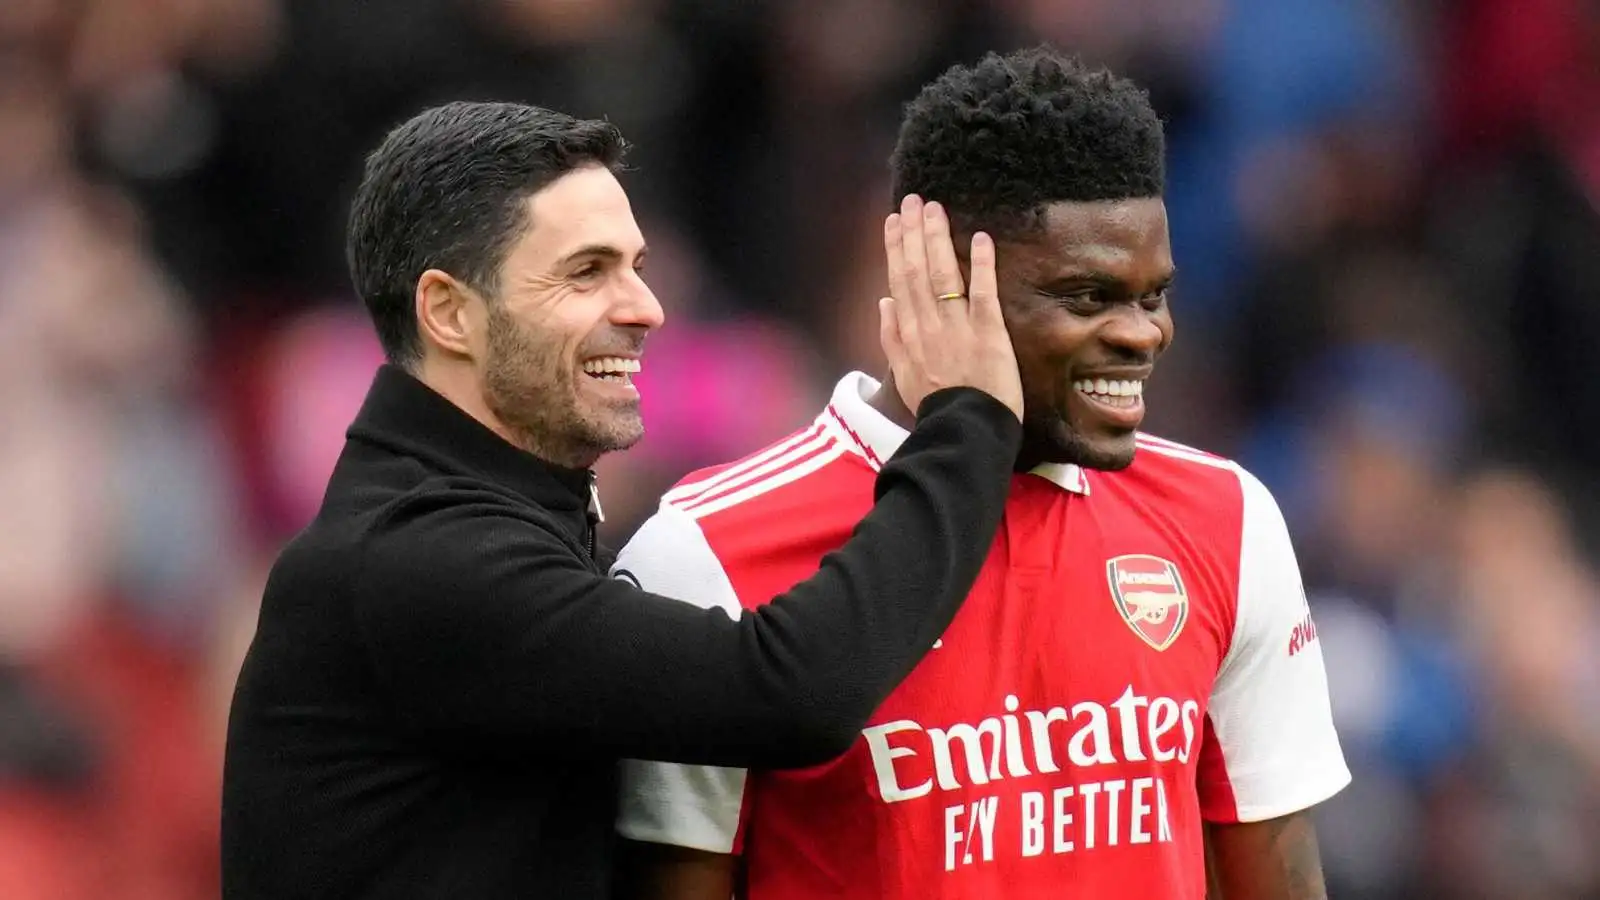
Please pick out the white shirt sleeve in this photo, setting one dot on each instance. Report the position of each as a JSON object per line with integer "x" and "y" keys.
{"x": 669, "y": 803}
{"x": 1275, "y": 750}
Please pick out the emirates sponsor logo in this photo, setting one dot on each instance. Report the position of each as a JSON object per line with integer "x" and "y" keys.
{"x": 1149, "y": 593}
{"x": 911, "y": 761}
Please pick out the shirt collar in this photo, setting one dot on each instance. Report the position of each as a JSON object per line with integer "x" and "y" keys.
{"x": 405, "y": 415}
{"x": 875, "y": 437}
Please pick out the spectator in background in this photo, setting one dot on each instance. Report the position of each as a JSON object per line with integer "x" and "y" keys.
{"x": 1524, "y": 819}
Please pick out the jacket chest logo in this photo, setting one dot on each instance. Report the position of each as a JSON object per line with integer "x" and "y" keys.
{"x": 1150, "y": 596}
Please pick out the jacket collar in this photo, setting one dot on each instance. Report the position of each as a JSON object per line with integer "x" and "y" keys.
{"x": 405, "y": 415}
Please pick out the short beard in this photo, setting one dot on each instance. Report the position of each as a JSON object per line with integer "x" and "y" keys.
{"x": 1087, "y": 457}
{"x": 1056, "y": 441}
{"x": 531, "y": 390}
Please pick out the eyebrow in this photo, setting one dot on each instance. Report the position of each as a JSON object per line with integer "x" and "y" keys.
{"x": 1105, "y": 279}
{"x": 600, "y": 251}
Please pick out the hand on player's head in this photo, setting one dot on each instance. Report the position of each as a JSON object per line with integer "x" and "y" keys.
{"x": 936, "y": 332}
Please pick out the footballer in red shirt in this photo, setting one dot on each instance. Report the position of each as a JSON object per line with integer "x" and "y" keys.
{"x": 1134, "y": 693}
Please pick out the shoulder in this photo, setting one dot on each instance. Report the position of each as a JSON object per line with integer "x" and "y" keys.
{"x": 803, "y": 488}
{"x": 1169, "y": 479}
{"x": 448, "y": 529}
{"x": 1158, "y": 455}
{"x": 1231, "y": 512}
{"x": 450, "y": 502}
{"x": 1219, "y": 503}
{"x": 1198, "y": 477}
{"x": 395, "y": 555}
{"x": 787, "y": 503}
{"x": 818, "y": 456}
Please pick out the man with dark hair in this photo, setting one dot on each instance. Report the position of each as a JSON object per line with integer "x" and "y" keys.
{"x": 1134, "y": 686}
{"x": 443, "y": 678}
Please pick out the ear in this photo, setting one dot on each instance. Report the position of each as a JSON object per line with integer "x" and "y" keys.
{"x": 444, "y": 308}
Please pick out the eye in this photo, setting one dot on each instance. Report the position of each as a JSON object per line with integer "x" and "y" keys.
{"x": 1084, "y": 301}
{"x": 1155, "y": 300}
{"x": 587, "y": 270}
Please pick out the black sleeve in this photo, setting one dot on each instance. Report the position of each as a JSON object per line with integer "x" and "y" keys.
{"x": 486, "y": 626}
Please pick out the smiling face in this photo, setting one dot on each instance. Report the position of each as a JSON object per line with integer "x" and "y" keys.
{"x": 565, "y": 333}
{"x": 1085, "y": 300}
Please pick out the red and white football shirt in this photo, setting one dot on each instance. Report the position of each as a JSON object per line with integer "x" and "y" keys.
{"x": 1136, "y": 657}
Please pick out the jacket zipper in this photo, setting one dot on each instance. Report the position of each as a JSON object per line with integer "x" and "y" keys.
{"x": 596, "y": 514}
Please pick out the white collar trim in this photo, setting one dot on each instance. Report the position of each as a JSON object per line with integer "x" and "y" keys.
{"x": 871, "y": 434}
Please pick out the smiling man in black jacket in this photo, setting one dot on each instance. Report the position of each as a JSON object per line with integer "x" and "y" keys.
{"x": 443, "y": 679}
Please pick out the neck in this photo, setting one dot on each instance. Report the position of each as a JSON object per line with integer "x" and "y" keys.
{"x": 887, "y": 401}
{"x": 460, "y": 384}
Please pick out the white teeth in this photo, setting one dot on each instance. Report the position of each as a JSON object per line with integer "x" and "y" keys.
{"x": 611, "y": 365}
{"x": 1104, "y": 387}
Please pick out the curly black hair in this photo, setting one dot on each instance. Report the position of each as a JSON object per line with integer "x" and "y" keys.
{"x": 999, "y": 140}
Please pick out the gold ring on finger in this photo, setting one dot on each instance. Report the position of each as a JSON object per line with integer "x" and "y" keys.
{"x": 952, "y": 295}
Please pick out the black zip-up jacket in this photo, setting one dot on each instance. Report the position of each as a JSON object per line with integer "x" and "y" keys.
{"x": 443, "y": 678}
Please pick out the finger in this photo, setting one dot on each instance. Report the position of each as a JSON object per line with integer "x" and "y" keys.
{"x": 903, "y": 313}
{"x": 889, "y": 335}
{"x": 984, "y": 294}
{"x": 894, "y": 254}
{"x": 919, "y": 299}
{"x": 908, "y": 331}
{"x": 944, "y": 270}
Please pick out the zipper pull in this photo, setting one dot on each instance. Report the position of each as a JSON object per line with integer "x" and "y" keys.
{"x": 595, "y": 512}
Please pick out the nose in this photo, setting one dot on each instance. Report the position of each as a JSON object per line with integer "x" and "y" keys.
{"x": 638, "y": 305}
{"x": 1135, "y": 330}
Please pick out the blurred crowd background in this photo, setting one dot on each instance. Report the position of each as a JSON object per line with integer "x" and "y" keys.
{"x": 1386, "y": 214}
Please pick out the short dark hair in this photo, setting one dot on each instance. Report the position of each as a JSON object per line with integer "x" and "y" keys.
{"x": 446, "y": 190}
{"x": 998, "y": 140}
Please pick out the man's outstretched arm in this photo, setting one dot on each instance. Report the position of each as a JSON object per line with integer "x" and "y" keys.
{"x": 1272, "y": 860}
